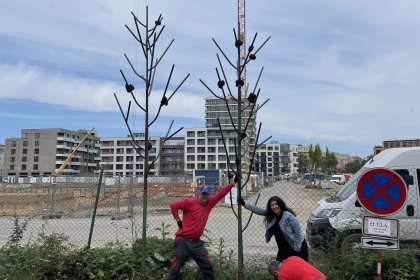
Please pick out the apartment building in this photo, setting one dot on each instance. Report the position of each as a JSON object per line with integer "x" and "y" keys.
{"x": 120, "y": 158}
{"x": 388, "y": 144}
{"x": 1, "y": 159}
{"x": 275, "y": 159}
{"x": 205, "y": 148}
{"x": 171, "y": 161}
{"x": 217, "y": 111}
{"x": 40, "y": 152}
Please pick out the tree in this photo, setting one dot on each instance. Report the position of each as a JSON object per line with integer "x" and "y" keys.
{"x": 333, "y": 162}
{"x": 353, "y": 167}
{"x": 325, "y": 160}
{"x": 302, "y": 163}
{"x": 366, "y": 159}
{"x": 329, "y": 162}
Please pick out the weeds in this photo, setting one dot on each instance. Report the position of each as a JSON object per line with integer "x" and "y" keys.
{"x": 50, "y": 257}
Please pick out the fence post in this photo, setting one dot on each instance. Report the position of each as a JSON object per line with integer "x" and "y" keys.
{"x": 94, "y": 208}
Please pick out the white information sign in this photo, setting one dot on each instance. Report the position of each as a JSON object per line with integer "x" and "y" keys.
{"x": 378, "y": 243}
{"x": 234, "y": 192}
{"x": 379, "y": 227}
{"x": 387, "y": 228}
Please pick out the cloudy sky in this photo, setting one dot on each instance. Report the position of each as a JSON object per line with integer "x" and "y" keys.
{"x": 343, "y": 74}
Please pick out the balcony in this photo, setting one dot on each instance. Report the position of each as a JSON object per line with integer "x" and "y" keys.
{"x": 63, "y": 146}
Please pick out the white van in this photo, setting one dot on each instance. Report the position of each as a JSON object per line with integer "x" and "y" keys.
{"x": 342, "y": 210}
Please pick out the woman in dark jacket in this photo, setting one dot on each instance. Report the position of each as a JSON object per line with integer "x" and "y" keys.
{"x": 281, "y": 222}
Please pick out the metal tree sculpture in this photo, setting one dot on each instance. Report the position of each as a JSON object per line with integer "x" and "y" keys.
{"x": 148, "y": 43}
{"x": 246, "y": 102}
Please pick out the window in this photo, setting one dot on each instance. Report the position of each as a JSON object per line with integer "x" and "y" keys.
{"x": 35, "y": 167}
{"x": 13, "y": 143}
{"x": 24, "y": 151}
{"x": 12, "y": 167}
{"x": 201, "y": 134}
{"x": 12, "y": 159}
{"x": 129, "y": 158}
{"x": 24, "y": 159}
{"x": 36, "y": 158}
{"x": 36, "y": 143}
{"x": 201, "y": 141}
{"x": 24, "y": 136}
{"x": 13, "y": 151}
{"x": 190, "y": 133}
{"x": 37, "y": 135}
{"x": 36, "y": 151}
{"x": 23, "y": 166}
{"x": 25, "y": 143}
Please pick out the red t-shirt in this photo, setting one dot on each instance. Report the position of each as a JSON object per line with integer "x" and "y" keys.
{"x": 295, "y": 268}
{"x": 195, "y": 214}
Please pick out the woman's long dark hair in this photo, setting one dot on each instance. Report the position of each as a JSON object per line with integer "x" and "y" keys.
{"x": 270, "y": 215}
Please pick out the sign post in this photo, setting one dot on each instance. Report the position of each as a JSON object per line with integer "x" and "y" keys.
{"x": 382, "y": 192}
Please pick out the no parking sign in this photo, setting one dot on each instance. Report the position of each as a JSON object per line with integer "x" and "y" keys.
{"x": 381, "y": 191}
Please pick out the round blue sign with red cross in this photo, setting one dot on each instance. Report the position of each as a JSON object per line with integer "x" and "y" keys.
{"x": 381, "y": 191}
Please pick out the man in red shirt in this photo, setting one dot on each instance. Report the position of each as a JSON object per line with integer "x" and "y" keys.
{"x": 195, "y": 213}
{"x": 294, "y": 268}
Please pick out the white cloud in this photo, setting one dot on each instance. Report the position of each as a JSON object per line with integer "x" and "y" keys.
{"x": 343, "y": 73}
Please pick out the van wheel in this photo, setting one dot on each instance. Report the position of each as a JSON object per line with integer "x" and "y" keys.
{"x": 352, "y": 242}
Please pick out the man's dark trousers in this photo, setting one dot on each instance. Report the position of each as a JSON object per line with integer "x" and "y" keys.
{"x": 184, "y": 250}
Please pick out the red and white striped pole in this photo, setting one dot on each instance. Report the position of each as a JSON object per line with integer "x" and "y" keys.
{"x": 379, "y": 265}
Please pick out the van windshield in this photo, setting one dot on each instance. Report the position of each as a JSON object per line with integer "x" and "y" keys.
{"x": 350, "y": 187}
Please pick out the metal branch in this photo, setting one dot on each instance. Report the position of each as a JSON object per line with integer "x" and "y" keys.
{"x": 252, "y": 109}
{"x": 186, "y": 77}
{"x": 137, "y": 148}
{"x": 249, "y": 220}
{"x": 137, "y": 20}
{"x": 154, "y": 28}
{"x": 209, "y": 88}
{"x": 260, "y": 47}
{"x": 126, "y": 120}
{"x": 151, "y": 82}
{"x": 134, "y": 70}
{"x": 247, "y": 55}
{"x": 259, "y": 107}
{"x": 161, "y": 146}
{"x": 164, "y": 53}
{"x": 157, "y": 115}
{"x": 226, "y": 80}
{"x": 258, "y": 79}
{"x": 132, "y": 94}
{"x": 227, "y": 59}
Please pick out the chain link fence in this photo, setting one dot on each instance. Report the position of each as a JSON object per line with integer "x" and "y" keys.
{"x": 66, "y": 204}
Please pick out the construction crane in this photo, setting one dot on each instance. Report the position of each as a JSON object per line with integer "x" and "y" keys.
{"x": 242, "y": 37}
{"x": 68, "y": 159}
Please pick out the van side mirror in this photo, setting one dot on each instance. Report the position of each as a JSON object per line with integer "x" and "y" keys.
{"x": 408, "y": 179}
{"x": 357, "y": 204}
